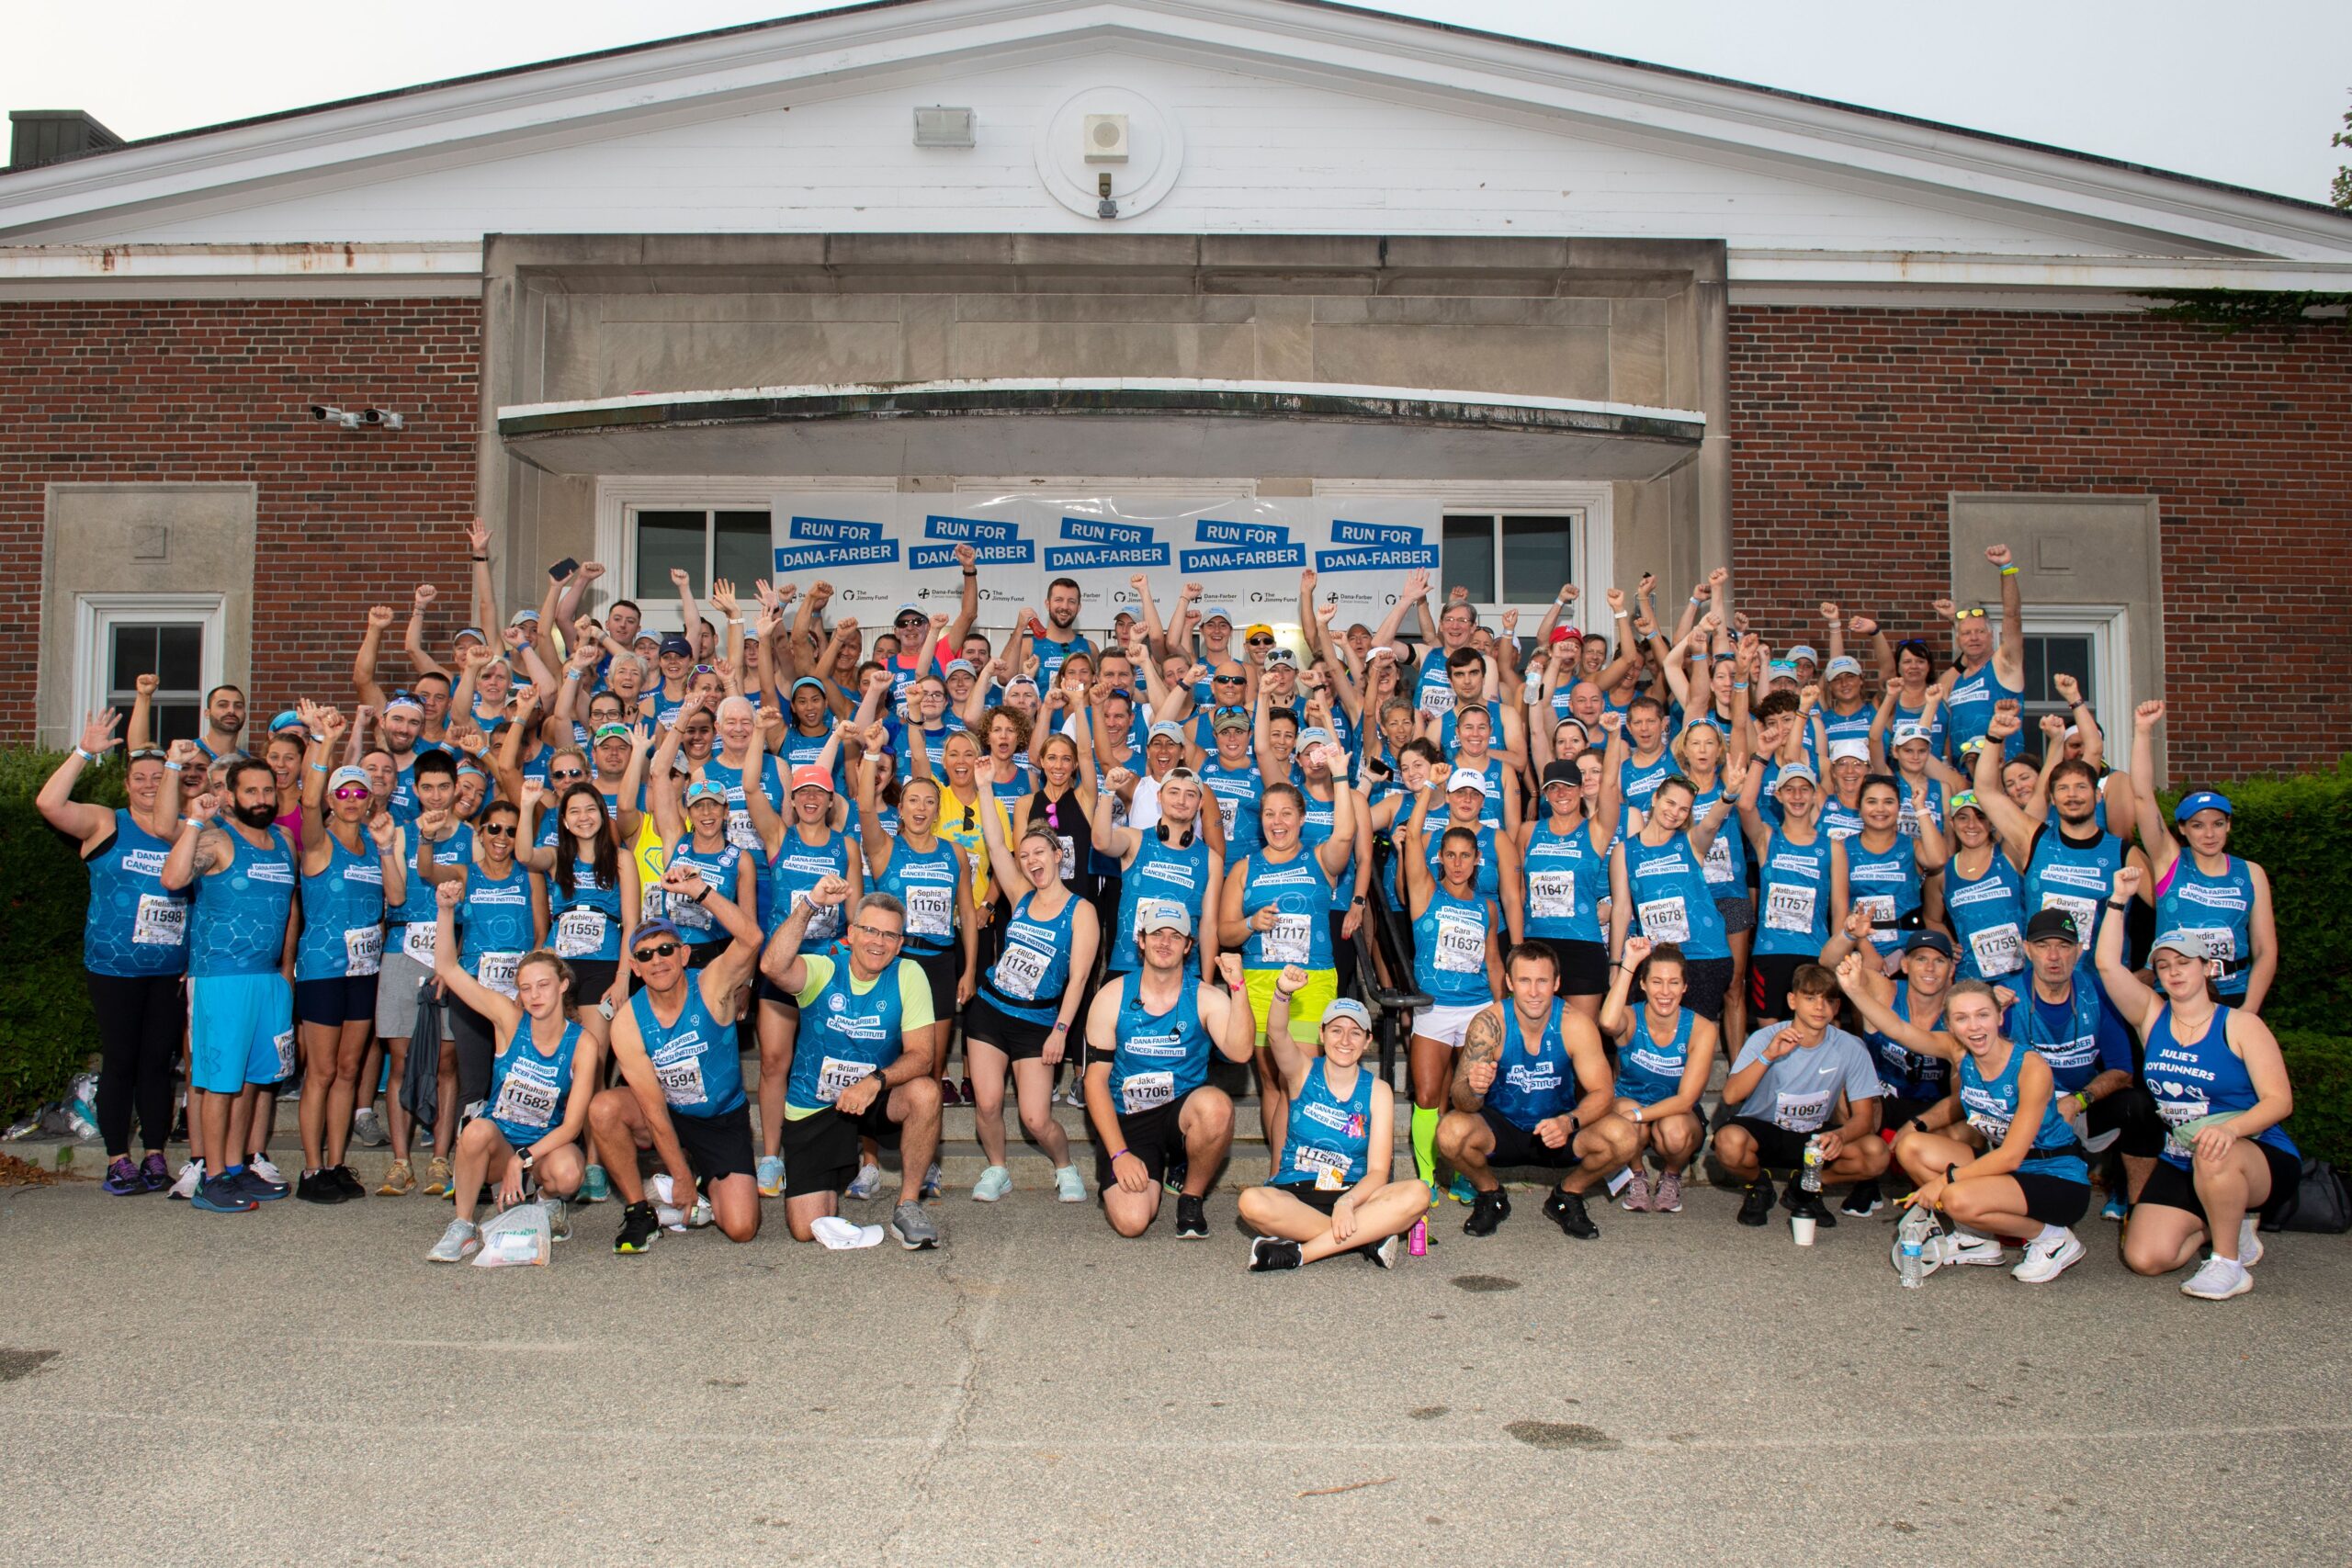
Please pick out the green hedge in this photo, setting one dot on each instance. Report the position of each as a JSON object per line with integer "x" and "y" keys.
{"x": 46, "y": 1032}
{"x": 2320, "y": 1066}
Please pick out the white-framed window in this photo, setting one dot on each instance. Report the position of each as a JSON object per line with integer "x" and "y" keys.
{"x": 729, "y": 542}
{"x": 2088, "y": 642}
{"x": 1513, "y": 542}
{"x": 176, "y": 637}
{"x": 1509, "y": 557}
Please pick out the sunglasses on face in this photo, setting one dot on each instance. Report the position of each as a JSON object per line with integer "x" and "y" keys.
{"x": 878, "y": 933}
{"x": 570, "y": 775}
{"x": 1230, "y": 680}
{"x": 659, "y": 950}
{"x": 497, "y": 829}
{"x": 1261, "y": 642}
{"x": 351, "y": 792}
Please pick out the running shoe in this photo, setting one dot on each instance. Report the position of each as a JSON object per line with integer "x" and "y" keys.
{"x": 1384, "y": 1255}
{"x": 1862, "y": 1202}
{"x": 1637, "y": 1200}
{"x": 259, "y": 1185}
{"x": 2249, "y": 1243}
{"x": 966, "y": 1088}
{"x": 867, "y": 1182}
{"x": 342, "y": 1177}
{"x": 910, "y": 1227}
{"x": 639, "y": 1225}
{"x": 1756, "y": 1205}
{"x": 1172, "y": 1178}
{"x": 1068, "y": 1186}
{"x": 460, "y": 1241}
{"x": 558, "y": 1219}
{"x": 1191, "y": 1218}
{"x": 2115, "y": 1209}
{"x": 1666, "y": 1198}
{"x": 1460, "y": 1189}
{"x": 367, "y": 1129}
{"x": 190, "y": 1177}
{"x": 594, "y": 1185}
{"x": 930, "y": 1181}
{"x": 771, "y": 1176}
{"x": 154, "y": 1174}
{"x": 1565, "y": 1209}
{"x": 1488, "y": 1213}
{"x": 1967, "y": 1246}
{"x": 223, "y": 1195}
{"x": 1273, "y": 1253}
{"x": 123, "y": 1179}
{"x": 947, "y": 1095}
{"x": 399, "y": 1180}
{"x": 685, "y": 1220}
{"x": 436, "y": 1177}
{"x": 2047, "y": 1258}
{"x": 318, "y": 1187}
{"x": 2218, "y": 1281}
{"x": 993, "y": 1184}
{"x": 260, "y": 1165}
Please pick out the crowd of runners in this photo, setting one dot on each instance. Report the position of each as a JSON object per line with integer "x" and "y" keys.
{"x": 699, "y": 920}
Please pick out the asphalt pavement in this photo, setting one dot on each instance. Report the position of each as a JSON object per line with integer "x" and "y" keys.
{"x": 299, "y": 1385}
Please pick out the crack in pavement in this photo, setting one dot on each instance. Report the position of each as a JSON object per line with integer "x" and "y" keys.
{"x": 953, "y": 1426}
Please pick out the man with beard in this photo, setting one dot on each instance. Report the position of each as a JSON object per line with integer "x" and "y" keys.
{"x": 224, "y": 721}
{"x": 1988, "y": 676}
{"x": 2068, "y": 863}
{"x": 400, "y": 726}
{"x": 1055, "y": 639}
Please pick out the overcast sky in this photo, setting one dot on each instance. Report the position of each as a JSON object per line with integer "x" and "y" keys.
{"x": 2247, "y": 94}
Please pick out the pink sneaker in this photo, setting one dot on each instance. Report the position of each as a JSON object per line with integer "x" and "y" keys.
{"x": 1669, "y": 1193}
{"x": 1637, "y": 1200}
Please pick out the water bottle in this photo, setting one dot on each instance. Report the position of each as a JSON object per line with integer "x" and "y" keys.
{"x": 1911, "y": 1240}
{"x": 1810, "y": 1176}
{"x": 1417, "y": 1244}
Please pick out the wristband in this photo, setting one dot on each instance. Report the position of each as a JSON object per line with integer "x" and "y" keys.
{"x": 172, "y": 768}
{"x": 971, "y": 571}
{"x": 484, "y": 559}
{"x": 1119, "y": 1156}
{"x": 1951, "y": 1172}
{"x": 572, "y": 674}
{"x": 2083, "y": 1099}
{"x": 2123, "y": 908}
{"x": 1638, "y": 1115}
{"x": 1621, "y": 615}
{"x": 86, "y": 756}
{"x": 1740, "y": 685}
{"x": 700, "y": 897}
{"x": 191, "y": 821}
{"x": 734, "y": 620}
{"x": 2008, "y": 571}
{"x": 1060, "y": 1027}
{"x": 318, "y": 767}
{"x": 1282, "y": 995}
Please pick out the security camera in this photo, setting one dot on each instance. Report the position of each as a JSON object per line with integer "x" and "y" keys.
{"x": 381, "y": 418}
{"x": 334, "y": 416}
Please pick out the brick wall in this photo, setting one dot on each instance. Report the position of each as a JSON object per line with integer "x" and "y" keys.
{"x": 1850, "y": 427}
{"x": 220, "y": 391}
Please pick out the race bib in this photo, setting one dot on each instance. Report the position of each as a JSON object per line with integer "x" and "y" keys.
{"x": 1789, "y": 906}
{"x": 1664, "y": 920}
{"x": 2181, "y": 1110}
{"x": 1990, "y": 1128}
{"x": 689, "y": 916}
{"x": 833, "y": 1075}
{"x": 928, "y": 909}
{"x": 823, "y": 924}
{"x": 1021, "y": 970}
{"x": 497, "y": 970}
{"x": 526, "y": 1101}
{"x": 1718, "y": 866}
{"x": 1552, "y": 894}
{"x": 284, "y": 1046}
{"x": 2220, "y": 949}
{"x": 1227, "y": 806}
{"x": 161, "y": 921}
{"x": 363, "y": 950}
{"x": 740, "y": 831}
{"x": 418, "y": 939}
{"x": 579, "y": 932}
{"x": 1999, "y": 949}
{"x": 1069, "y": 856}
{"x": 1329, "y": 1166}
{"x": 682, "y": 1081}
{"x": 1461, "y": 945}
{"x": 1289, "y": 941}
{"x": 1880, "y": 906}
{"x": 1142, "y": 1091}
{"x": 1801, "y": 1113}
{"x": 2085, "y": 910}
{"x": 1437, "y": 698}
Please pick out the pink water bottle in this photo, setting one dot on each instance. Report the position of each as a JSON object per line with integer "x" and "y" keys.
{"x": 1416, "y": 1244}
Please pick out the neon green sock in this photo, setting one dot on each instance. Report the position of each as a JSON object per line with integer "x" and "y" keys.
{"x": 1425, "y": 1143}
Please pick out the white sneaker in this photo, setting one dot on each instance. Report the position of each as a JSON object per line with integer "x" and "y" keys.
{"x": 1966, "y": 1246}
{"x": 844, "y": 1235}
{"x": 2047, "y": 1258}
{"x": 993, "y": 1184}
{"x": 2249, "y": 1243}
{"x": 367, "y": 1128}
{"x": 2218, "y": 1281}
{"x": 868, "y": 1183}
{"x": 259, "y": 1165}
{"x": 675, "y": 1219}
{"x": 191, "y": 1178}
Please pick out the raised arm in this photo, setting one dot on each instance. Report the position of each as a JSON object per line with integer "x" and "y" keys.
{"x": 412, "y": 639}
{"x": 2155, "y": 836}
{"x": 968, "y": 608}
{"x": 2134, "y": 1002}
{"x": 495, "y": 1006}
{"x": 1877, "y": 1013}
{"x": 2015, "y": 828}
{"x": 363, "y": 661}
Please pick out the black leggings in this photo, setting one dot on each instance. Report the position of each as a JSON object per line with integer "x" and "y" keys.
{"x": 141, "y": 1021}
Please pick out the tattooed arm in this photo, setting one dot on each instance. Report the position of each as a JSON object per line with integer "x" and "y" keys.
{"x": 1482, "y": 1049}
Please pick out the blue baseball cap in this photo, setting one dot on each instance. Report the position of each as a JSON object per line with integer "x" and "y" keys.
{"x": 288, "y": 721}
{"x": 473, "y": 632}
{"x": 653, "y": 928}
{"x": 706, "y": 789}
{"x": 2190, "y": 804}
{"x": 808, "y": 680}
{"x": 675, "y": 644}
{"x": 1217, "y": 613}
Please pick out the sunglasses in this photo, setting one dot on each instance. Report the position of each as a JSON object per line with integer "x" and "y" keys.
{"x": 971, "y": 821}
{"x": 496, "y": 830}
{"x": 353, "y": 792}
{"x": 659, "y": 950}
{"x": 1261, "y": 642}
{"x": 149, "y": 754}
{"x": 1230, "y": 680}
{"x": 1976, "y": 615}
{"x": 878, "y": 933}
{"x": 570, "y": 775}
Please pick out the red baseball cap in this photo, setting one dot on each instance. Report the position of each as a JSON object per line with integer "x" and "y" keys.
{"x": 808, "y": 775}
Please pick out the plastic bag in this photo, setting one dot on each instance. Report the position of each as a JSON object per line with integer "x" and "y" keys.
{"x": 519, "y": 1235}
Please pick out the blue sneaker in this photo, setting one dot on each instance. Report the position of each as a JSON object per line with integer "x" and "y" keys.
{"x": 259, "y": 1187}
{"x": 123, "y": 1179}
{"x": 223, "y": 1195}
{"x": 1461, "y": 1191}
{"x": 2116, "y": 1210}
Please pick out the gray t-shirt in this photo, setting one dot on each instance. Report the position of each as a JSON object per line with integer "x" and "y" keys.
{"x": 1799, "y": 1092}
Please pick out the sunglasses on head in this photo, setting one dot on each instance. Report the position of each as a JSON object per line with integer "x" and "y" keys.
{"x": 149, "y": 754}
{"x": 659, "y": 950}
{"x": 1970, "y": 615}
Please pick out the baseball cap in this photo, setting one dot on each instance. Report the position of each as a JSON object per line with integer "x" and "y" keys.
{"x": 653, "y": 928}
{"x": 1230, "y": 718}
{"x": 909, "y": 608}
{"x": 1466, "y": 778}
{"x": 1562, "y": 634}
{"x": 1965, "y": 800}
{"x": 1279, "y": 655}
{"x": 1164, "y": 730}
{"x": 1906, "y": 733}
{"x": 289, "y": 719}
{"x": 1257, "y": 629}
{"x": 808, "y": 775}
{"x": 959, "y": 666}
{"x": 473, "y": 632}
{"x": 2188, "y": 943}
{"x": 1217, "y": 613}
{"x": 706, "y": 789}
{"x": 1780, "y": 669}
{"x": 1802, "y": 772}
{"x": 677, "y": 644}
{"x": 1844, "y": 664}
{"x": 808, "y": 680}
{"x": 1849, "y": 748}
{"x": 519, "y": 617}
{"x": 612, "y": 732}
{"x": 348, "y": 774}
{"x": 1567, "y": 774}
{"x": 1803, "y": 652}
{"x": 1934, "y": 941}
{"x": 2190, "y": 804}
{"x": 2053, "y": 924}
{"x": 1349, "y": 1008}
{"x": 1319, "y": 736}
{"x": 1161, "y": 915}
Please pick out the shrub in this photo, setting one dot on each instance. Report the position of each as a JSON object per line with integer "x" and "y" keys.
{"x": 2320, "y": 1066}
{"x": 46, "y": 1032}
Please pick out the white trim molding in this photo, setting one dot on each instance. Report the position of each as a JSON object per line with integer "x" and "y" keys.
{"x": 95, "y": 614}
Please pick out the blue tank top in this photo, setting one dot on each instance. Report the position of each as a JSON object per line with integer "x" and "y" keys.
{"x": 1639, "y": 780}
{"x": 1329, "y": 1137}
{"x": 134, "y": 926}
{"x": 719, "y": 869}
{"x": 2072, "y": 877}
{"x": 1531, "y": 1087}
{"x": 2222, "y": 908}
{"x": 740, "y": 831}
{"x": 1854, "y": 725}
{"x": 695, "y": 1058}
{"x": 1162, "y": 873}
{"x": 2201, "y": 1078}
{"x": 237, "y": 923}
{"x": 1991, "y": 1105}
{"x": 1433, "y": 848}
{"x": 844, "y": 1035}
{"x": 1838, "y": 820}
{"x": 587, "y": 924}
{"x": 1903, "y": 1072}
{"x": 1300, "y": 894}
{"x": 1648, "y": 1071}
{"x": 342, "y": 914}
{"x": 1725, "y": 866}
{"x": 1969, "y": 707}
{"x": 1887, "y": 883}
{"x": 797, "y": 869}
{"x": 1159, "y": 1058}
{"x": 1315, "y": 831}
{"x": 1987, "y": 915}
{"x": 1235, "y": 793}
{"x": 1450, "y": 950}
{"x": 1907, "y": 820}
{"x": 418, "y": 905}
{"x": 1566, "y": 879}
{"x": 925, "y": 883}
{"x": 496, "y": 925}
{"x": 2079, "y": 1038}
{"x": 1671, "y": 898}
{"x": 1032, "y": 970}
{"x": 1793, "y": 908}
{"x": 527, "y": 1090}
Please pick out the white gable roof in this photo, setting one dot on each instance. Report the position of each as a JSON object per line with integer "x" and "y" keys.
{"x": 1293, "y": 116}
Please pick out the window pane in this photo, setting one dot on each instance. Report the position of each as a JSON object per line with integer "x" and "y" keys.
{"x": 740, "y": 551}
{"x": 179, "y": 658}
{"x": 667, "y": 540}
{"x": 171, "y": 721}
{"x": 1468, "y": 559}
{"x": 134, "y": 655}
{"x": 1537, "y": 559}
{"x": 2047, "y": 656}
